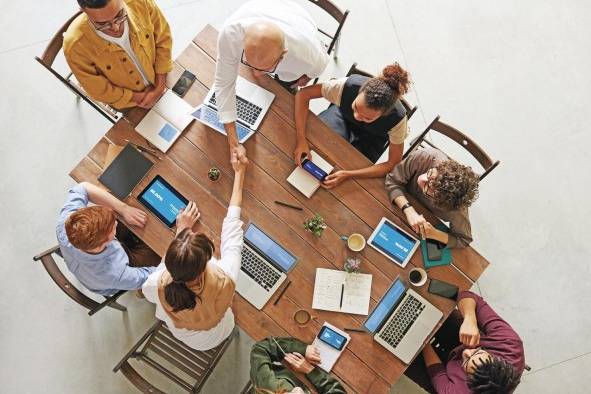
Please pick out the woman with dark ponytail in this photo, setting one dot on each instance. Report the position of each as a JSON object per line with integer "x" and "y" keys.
{"x": 365, "y": 111}
{"x": 193, "y": 290}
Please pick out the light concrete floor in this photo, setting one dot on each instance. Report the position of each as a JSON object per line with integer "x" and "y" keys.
{"x": 513, "y": 75}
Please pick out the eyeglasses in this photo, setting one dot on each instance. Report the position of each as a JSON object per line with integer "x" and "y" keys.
{"x": 430, "y": 179}
{"x": 118, "y": 20}
{"x": 259, "y": 69}
{"x": 465, "y": 363}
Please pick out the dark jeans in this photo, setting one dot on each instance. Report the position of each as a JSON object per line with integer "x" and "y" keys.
{"x": 371, "y": 146}
{"x": 446, "y": 339}
{"x": 140, "y": 254}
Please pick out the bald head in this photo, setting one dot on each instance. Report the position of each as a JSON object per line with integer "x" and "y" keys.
{"x": 264, "y": 45}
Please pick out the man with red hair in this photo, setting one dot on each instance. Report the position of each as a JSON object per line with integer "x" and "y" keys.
{"x": 103, "y": 255}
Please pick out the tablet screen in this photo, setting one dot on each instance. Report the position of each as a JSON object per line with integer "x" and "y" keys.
{"x": 162, "y": 200}
{"x": 393, "y": 242}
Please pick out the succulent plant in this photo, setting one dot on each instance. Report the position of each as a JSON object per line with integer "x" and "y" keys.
{"x": 213, "y": 174}
{"x": 315, "y": 225}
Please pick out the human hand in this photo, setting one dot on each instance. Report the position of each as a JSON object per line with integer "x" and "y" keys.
{"x": 133, "y": 216}
{"x": 240, "y": 153}
{"x": 335, "y": 179}
{"x": 150, "y": 97}
{"x": 415, "y": 220}
{"x": 429, "y": 231}
{"x": 312, "y": 355}
{"x": 302, "y": 81}
{"x": 469, "y": 332}
{"x": 302, "y": 149}
{"x": 298, "y": 363}
{"x": 138, "y": 97}
{"x": 237, "y": 165}
{"x": 187, "y": 217}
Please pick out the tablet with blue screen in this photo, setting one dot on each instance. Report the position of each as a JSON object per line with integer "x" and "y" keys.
{"x": 393, "y": 242}
{"x": 160, "y": 198}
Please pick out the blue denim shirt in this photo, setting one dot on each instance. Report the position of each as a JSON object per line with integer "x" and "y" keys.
{"x": 104, "y": 273}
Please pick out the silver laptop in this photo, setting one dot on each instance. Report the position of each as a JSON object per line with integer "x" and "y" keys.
{"x": 265, "y": 265}
{"x": 252, "y": 102}
{"x": 402, "y": 321}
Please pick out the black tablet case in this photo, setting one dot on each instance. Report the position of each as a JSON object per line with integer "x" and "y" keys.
{"x": 125, "y": 172}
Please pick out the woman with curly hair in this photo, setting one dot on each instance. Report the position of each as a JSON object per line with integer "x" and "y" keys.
{"x": 446, "y": 187}
{"x": 365, "y": 111}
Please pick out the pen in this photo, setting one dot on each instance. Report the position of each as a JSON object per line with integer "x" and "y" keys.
{"x": 288, "y": 205}
{"x": 144, "y": 149}
{"x": 279, "y": 346}
{"x": 342, "y": 291}
{"x": 354, "y": 329}
{"x": 281, "y": 293}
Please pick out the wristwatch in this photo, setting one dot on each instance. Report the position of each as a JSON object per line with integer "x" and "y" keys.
{"x": 407, "y": 205}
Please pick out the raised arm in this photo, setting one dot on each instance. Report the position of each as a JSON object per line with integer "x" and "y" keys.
{"x": 130, "y": 215}
{"x": 302, "y": 103}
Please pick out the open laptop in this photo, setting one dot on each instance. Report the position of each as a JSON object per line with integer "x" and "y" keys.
{"x": 265, "y": 265}
{"x": 252, "y": 102}
{"x": 402, "y": 321}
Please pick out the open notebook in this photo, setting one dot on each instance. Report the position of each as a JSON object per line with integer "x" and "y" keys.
{"x": 304, "y": 181}
{"x": 166, "y": 121}
{"x": 339, "y": 291}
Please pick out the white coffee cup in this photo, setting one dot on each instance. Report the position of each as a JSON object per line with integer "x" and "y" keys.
{"x": 356, "y": 242}
{"x": 413, "y": 277}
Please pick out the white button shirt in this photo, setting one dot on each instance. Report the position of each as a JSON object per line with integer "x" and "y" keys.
{"x": 306, "y": 55}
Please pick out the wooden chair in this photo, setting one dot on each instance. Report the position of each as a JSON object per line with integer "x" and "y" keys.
{"x": 171, "y": 354}
{"x": 247, "y": 388}
{"x": 409, "y": 110}
{"x": 67, "y": 287}
{"x": 340, "y": 17}
{"x": 47, "y": 60}
{"x": 487, "y": 163}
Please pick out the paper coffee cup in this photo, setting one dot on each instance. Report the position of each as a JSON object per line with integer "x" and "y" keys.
{"x": 356, "y": 242}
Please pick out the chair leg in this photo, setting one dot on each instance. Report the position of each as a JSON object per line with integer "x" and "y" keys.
{"x": 111, "y": 302}
{"x": 118, "y": 306}
{"x": 336, "y": 49}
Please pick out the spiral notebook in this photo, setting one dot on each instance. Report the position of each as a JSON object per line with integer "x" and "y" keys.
{"x": 340, "y": 291}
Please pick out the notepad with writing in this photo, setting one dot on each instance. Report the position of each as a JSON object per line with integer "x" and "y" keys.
{"x": 304, "y": 181}
{"x": 355, "y": 289}
{"x": 163, "y": 125}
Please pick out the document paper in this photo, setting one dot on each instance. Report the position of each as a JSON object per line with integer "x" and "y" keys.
{"x": 329, "y": 284}
{"x": 165, "y": 121}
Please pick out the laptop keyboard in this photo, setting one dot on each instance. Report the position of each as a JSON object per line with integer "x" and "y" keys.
{"x": 258, "y": 270}
{"x": 211, "y": 116}
{"x": 402, "y": 320}
{"x": 245, "y": 110}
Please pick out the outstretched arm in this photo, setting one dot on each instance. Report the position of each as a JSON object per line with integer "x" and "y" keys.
{"x": 302, "y": 103}
{"x": 98, "y": 196}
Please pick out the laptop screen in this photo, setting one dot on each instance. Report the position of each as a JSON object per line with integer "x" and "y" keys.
{"x": 385, "y": 306}
{"x": 269, "y": 248}
{"x": 393, "y": 242}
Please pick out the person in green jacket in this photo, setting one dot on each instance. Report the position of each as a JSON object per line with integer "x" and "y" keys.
{"x": 270, "y": 376}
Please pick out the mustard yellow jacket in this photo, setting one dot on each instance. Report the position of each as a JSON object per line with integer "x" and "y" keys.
{"x": 104, "y": 70}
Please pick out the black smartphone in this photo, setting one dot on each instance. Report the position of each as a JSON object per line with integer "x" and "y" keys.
{"x": 434, "y": 250}
{"x": 181, "y": 87}
{"x": 314, "y": 170}
{"x": 443, "y": 289}
{"x": 332, "y": 338}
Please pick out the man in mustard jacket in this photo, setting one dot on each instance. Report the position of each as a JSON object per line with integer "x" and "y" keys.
{"x": 120, "y": 51}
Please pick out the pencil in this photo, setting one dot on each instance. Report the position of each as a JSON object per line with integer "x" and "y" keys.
{"x": 289, "y": 205}
{"x": 281, "y": 293}
{"x": 144, "y": 149}
{"x": 354, "y": 329}
{"x": 342, "y": 291}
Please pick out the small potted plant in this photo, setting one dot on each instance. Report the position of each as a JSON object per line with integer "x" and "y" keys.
{"x": 352, "y": 264}
{"x": 315, "y": 225}
{"x": 213, "y": 174}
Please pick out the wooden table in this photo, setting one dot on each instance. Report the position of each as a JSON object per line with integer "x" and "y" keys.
{"x": 355, "y": 206}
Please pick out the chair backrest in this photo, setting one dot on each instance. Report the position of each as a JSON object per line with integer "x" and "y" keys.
{"x": 487, "y": 163}
{"x": 48, "y": 58}
{"x": 409, "y": 110}
{"x": 187, "y": 367}
{"x": 71, "y": 291}
{"x": 339, "y": 16}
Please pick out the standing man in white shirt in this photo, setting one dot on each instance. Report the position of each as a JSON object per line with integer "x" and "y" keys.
{"x": 270, "y": 37}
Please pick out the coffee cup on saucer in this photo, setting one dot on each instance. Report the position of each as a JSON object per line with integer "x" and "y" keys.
{"x": 417, "y": 276}
{"x": 356, "y": 242}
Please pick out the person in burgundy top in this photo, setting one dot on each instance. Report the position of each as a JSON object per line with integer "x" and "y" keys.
{"x": 483, "y": 352}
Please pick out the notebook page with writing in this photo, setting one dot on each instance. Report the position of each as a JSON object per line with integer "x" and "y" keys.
{"x": 355, "y": 288}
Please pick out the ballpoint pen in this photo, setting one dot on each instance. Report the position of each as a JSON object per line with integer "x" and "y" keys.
{"x": 144, "y": 149}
